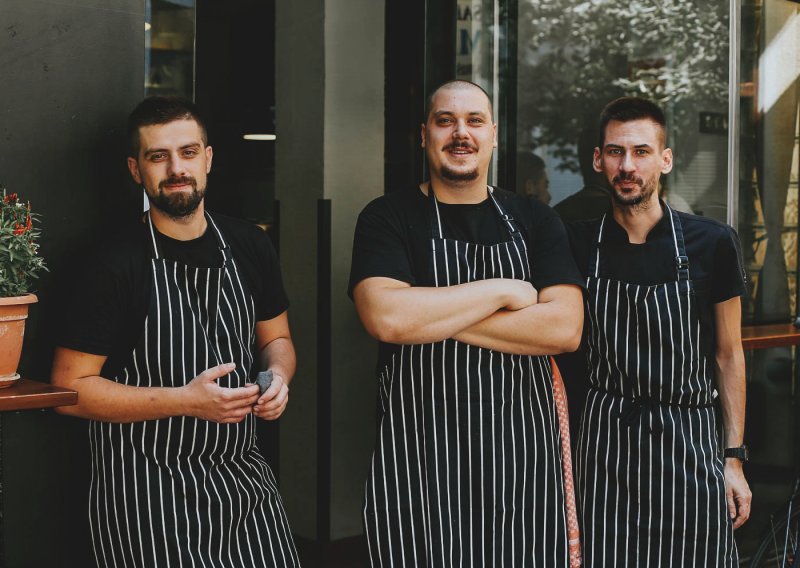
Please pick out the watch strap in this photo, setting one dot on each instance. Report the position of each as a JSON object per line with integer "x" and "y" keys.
{"x": 740, "y": 453}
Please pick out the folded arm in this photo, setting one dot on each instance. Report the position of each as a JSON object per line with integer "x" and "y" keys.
{"x": 552, "y": 326}
{"x": 106, "y": 400}
{"x": 395, "y": 312}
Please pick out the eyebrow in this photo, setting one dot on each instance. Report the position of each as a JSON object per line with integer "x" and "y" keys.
{"x": 623, "y": 147}
{"x": 438, "y": 113}
{"x": 150, "y": 151}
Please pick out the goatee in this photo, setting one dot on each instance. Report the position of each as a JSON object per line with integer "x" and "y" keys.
{"x": 452, "y": 175}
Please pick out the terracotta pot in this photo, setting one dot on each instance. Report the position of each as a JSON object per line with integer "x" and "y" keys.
{"x": 13, "y": 313}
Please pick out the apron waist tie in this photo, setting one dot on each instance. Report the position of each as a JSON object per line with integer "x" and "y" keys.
{"x": 634, "y": 408}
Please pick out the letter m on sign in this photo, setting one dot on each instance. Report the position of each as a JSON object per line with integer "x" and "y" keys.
{"x": 465, "y": 42}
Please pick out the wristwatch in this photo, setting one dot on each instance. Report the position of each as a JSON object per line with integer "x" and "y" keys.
{"x": 739, "y": 453}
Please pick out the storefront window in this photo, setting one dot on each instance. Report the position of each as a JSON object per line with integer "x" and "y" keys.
{"x": 768, "y": 227}
{"x": 551, "y": 65}
{"x": 169, "y": 47}
{"x": 770, "y": 65}
{"x": 574, "y": 57}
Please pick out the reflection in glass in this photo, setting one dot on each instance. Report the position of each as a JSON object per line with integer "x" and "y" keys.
{"x": 169, "y": 47}
{"x": 478, "y": 36}
{"x": 574, "y": 57}
{"x": 768, "y": 162}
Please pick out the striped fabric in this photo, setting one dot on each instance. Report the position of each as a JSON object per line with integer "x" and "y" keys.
{"x": 183, "y": 491}
{"x": 650, "y": 477}
{"x": 467, "y": 468}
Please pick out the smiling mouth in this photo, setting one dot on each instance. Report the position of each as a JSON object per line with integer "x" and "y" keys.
{"x": 460, "y": 150}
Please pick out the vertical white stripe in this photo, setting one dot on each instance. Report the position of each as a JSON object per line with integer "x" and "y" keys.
{"x": 402, "y": 390}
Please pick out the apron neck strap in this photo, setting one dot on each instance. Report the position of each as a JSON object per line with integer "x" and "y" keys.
{"x": 594, "y": 259}
{"x": 681, "y": 259}
{"x": 156, "y": 252}
{"x": 436, "y": 217}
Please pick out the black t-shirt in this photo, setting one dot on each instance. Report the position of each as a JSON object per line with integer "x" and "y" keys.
{"x": 715, "y": 260}
{"x": 111, "y": 291}
{"x": 392, "y": 237}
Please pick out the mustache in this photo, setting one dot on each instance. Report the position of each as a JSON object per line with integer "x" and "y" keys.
{"x": 465, "y": 145}
{"x": 183, "y": 180}
{"x": 627, "y": 177}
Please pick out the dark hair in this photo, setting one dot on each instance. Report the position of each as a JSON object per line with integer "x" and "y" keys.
{"x": 454, "y": 84}
{"x": 626, "y": 109}
{"x": 161, "y": 110}
{"x": 530, "y": 166}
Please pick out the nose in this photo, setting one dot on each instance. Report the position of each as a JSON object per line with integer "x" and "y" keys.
{"x": 176, "y": 166}
{"x": 627, "y": 164}
{"x": 460, "y": 130}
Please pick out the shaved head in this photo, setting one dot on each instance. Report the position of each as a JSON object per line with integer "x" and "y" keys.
{"x": 457, "y": 85}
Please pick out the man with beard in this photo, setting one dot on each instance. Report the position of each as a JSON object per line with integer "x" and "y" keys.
{"x": 663, "y": 348}
{"x": 172, "y": 320}
{"x": 468, "y": 288}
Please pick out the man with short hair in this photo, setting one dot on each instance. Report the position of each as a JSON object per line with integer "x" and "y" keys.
{"x": 468, "y": 288}
{"x": 663, "y": 340}
{"x": 171, "y": 320}
{"x": 532, "y": 173}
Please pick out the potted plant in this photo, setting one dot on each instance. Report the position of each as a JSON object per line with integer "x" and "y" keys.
{"x": 19, "y": 264}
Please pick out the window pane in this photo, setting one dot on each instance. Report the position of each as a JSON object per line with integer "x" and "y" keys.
{"x": 574, "y": 57}
{"x": 169, "y": 47}
{"x": 768, "y": 225}
{"x": 770, "y": 65}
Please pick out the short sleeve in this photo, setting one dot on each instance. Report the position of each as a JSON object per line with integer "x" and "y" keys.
{"x": 551, "y": 257}
{"x": 93, "y": 317}
{"x": 272, "y": 300}
{"x": 728, "y": 278}
{"x": 380, "y": 247}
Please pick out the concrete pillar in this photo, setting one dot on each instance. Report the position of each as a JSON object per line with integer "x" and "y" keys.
{"x": 329, "y": 114}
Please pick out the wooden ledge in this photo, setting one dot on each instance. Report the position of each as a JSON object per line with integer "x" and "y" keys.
{"x": 765, "y": 336}
{"x": 26, "y": 395}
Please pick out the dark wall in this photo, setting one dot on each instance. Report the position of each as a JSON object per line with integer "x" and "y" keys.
{"x": 71, "y": 71}
{"x": 235, "y": 90}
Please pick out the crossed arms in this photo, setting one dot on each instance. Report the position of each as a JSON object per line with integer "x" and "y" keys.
{"x": 106, "y": 400}
{"x": 501, "y": 314}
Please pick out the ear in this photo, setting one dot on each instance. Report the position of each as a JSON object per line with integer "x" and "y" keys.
{"x": 494, "y": 135}
{"x": 209, "y": 158}
{"x": 422, "y": 135}
{"x": 133, "y": 167}
{"x": 666, "y": 161}
{"x": 597, "y": 162}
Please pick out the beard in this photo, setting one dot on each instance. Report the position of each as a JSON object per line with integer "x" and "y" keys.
{"x": 635, "y": 201}
{"x": 177, "y": 205}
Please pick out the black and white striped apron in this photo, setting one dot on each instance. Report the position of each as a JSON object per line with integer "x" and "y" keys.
{"x": 183, "y": 491}
{"x": 467, "y": 468}
{"x": 651, "y": 488}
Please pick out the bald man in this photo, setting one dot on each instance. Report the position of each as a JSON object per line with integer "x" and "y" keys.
{"x": 468, "y": 289}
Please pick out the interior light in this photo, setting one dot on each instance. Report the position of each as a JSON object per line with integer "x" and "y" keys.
{"x": 259, "y": 137}
{"x": 147, "y": 26}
